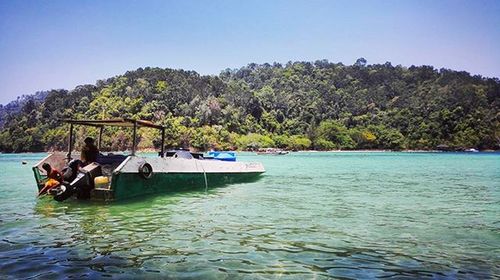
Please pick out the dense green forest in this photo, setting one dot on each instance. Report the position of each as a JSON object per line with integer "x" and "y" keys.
{"x": 300, "y": 105}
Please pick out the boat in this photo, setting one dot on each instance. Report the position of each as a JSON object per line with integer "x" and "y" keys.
{"x": 224, "y": 156}
{"x": 471, "y": 150}
{"x": 271, "y": 151}
{"x": 121, "y": 176}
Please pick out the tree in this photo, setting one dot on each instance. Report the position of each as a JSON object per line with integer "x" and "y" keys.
{"x": 360, "y": 62}
{"x": 333, "y": 134}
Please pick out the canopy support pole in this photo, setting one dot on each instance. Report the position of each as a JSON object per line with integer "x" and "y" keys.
{"x": 100, "y": 138}
{"x": 163, "y": 142}
{"x": 70, "y": 144}
{"x": 134, "y": 140}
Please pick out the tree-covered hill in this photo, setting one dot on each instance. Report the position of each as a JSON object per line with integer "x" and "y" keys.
{"x": 16, "y": 105}
{"x": 300, "y": 105}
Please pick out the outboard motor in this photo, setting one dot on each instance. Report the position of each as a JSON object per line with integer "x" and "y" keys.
{"x": 70, "y": 171}
{"x": 64, "y": 190}
{"x": 82, "y": 182}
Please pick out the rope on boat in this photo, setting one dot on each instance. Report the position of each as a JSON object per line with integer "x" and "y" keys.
{"x": 204, "y": 176}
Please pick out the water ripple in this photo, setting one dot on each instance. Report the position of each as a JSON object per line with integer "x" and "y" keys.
{"x": 312, "y": 216}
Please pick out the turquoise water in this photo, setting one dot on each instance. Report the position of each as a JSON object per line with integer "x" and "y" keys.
{"x": 311, "y": 216}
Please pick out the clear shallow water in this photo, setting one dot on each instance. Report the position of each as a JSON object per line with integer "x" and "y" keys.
{"x": 311, "y": 216}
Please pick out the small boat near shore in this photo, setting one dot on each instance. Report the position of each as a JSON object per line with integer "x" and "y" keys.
{"x": 116, "y": 177}
{"x": 446, "y": 148}
{"x": 224, "y": 156}
{"x": 272, "y": 151}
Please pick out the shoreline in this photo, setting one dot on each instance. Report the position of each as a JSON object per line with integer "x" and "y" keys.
{"x": 300, "y": 151}
{"x": 391, "y": 151}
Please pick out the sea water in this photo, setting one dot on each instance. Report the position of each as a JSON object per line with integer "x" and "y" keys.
{"x": 310, "y": 216}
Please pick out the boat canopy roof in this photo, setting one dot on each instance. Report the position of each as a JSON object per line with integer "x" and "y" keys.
{"x": 115, "y": 122}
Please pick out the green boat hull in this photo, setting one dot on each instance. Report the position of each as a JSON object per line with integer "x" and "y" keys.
{"x": 130, "y": 185}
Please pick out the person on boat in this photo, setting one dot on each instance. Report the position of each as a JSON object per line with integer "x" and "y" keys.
{"x": 89, "y": 151}
{"x": 54, "y": 179}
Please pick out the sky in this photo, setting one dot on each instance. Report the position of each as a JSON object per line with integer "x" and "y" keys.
{"x": 61, "y": 44}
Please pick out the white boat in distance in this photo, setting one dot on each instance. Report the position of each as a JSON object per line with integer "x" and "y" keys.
{"x": 271, "y": 151}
